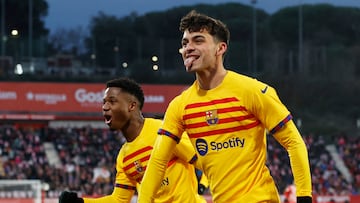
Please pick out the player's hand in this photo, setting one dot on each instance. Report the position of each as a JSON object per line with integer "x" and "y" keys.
{"x": 304, "y": 199}
{"x": 69, "y": 197}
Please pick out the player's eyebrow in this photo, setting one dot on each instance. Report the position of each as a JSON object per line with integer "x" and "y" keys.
{"x": 109, "y": 97}
{"x": 193, "y": 38}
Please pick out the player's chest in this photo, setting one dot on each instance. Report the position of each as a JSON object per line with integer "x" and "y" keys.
{"x": 135, "y": 162}
{"x": 212, "y": 113}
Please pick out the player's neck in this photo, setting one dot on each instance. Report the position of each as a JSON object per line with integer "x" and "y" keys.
{"x": 208, "y": 80}
{"x": 134, "y": 128}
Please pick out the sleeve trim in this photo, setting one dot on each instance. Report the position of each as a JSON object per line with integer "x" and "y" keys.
{"x": 127, "y": 187}
{"x": 167, "y": 133}
{"x": 193, "y": 159}
{"x": 281, "y": 124}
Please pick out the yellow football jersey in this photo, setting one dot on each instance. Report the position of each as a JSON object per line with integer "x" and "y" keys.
{"x": 227, "y": 126}
{"x": 178, "y": 185}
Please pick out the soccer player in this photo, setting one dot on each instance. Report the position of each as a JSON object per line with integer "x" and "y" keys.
{"x": 122, "y": 103}
{"x": 227, "y": 116}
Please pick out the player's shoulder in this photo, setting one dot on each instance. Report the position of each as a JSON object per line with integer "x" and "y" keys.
{"x": 184, "y": 96}
{"x": 152, "y": 121}
{"x": 243, "y": 83}
{"x": 241, "y": 78}
{"x": 189, "y": 90}
{"x": 151, "y": 126}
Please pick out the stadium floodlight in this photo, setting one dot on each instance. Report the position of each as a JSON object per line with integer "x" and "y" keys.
{"x": 14, "y": 32}
{"x": 154, "y": 58}
{"x": 155, "y": 67}
{"x": 18, "y": 69}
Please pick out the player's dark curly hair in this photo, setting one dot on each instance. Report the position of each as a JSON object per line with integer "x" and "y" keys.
{"x": 130, "y": 86}
{"x": 195, "y": 22}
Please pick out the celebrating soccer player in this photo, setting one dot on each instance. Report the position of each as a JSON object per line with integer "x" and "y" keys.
{"x": 227, "y": 116}
{"x": 122, "y": 104}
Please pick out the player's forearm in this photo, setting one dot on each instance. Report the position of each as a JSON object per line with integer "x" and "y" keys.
{"x": 105, "y": 199}
{"x": 301, "y": 170}
{"x": 291, "y": 139}
{"x": 118, "y": 196}
{"x": 156, "y": 167}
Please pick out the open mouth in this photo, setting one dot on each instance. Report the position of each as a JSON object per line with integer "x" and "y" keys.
{"x": 188, "y": 62}
{"x": 107, "y": 119}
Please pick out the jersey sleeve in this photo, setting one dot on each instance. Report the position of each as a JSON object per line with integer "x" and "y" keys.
{"x": 266, "y": 105}
{"x": 155, "y": 171}
{"x": 124, "y": 187}
{"x": 119, "y": 195}
{"x": 172, "y": 124}
{"x": 290, "y": 138}
{"x": 268, "y": 108}
{"x": 184, "y": 150}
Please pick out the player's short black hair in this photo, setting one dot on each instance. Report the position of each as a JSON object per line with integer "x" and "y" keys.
{"x": 195, "y": 22}
{"x": 130, "y": 86}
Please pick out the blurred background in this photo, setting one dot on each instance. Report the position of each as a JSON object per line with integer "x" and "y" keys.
{"x": 308, "y": 50}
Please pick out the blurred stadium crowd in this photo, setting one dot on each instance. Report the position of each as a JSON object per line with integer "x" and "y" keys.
{"x": 87, "y": 160}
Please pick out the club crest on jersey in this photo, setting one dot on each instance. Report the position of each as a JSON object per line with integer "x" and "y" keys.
{"x": 211, "y": 117}
{"x": 139, "y": 168}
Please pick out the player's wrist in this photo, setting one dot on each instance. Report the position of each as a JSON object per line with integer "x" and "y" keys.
{"x": 79, "y": 200}
{"x": 303, "y": 199}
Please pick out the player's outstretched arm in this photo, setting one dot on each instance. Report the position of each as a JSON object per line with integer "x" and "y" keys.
{"x": 156, "y": 167}
{"x": 290, "y": 138}
{"x": 119, "y": 195}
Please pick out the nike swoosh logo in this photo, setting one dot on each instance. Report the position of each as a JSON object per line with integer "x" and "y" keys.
{"x": 264, "y": 90}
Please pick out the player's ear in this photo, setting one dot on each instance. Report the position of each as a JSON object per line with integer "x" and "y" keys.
{"x": 133, "y": 105}
{"x": 221, "y": 49}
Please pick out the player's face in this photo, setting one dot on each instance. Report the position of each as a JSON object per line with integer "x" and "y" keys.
{"x": 117, "y": 108}
{"x": 199, "y": 50}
